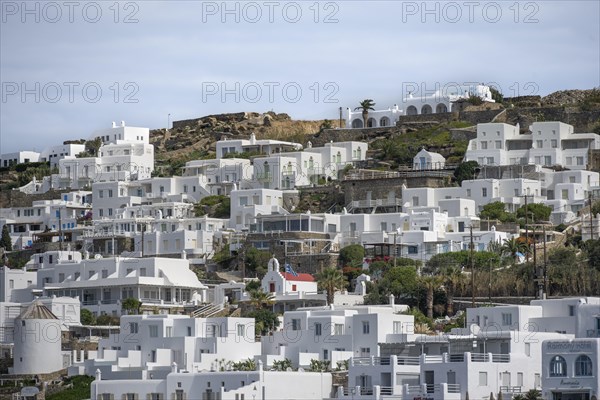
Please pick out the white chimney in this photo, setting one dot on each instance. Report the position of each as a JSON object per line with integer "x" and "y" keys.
{"x": 122, "y": 123}
{"x": 114, "y": 125}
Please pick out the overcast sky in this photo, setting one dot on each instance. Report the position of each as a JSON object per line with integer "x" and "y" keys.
{"x": 68, "y": 69}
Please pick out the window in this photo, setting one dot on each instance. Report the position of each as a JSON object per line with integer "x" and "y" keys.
{"x": 483, "y": 379}
{"x": 554, "y": 143}
{"x": 133, "y": 327}
{"x": 169, "y": 331}
{"x": 539, "y": 144}
{"x": 110, "y": 193}
{"x": 365, "y": 327}
{"x": 338, "y": 329}
{"x": 241, "y": 330}
{"x": 528, "y": 349}
{"x": 468, "y": 192}
{"x": 558, "y": 366}
{"x": 506, "y": 319}
{"x": 483, "y": 145}
{"x": 484, "y": 192}
{"x": 153, "y": 330}
{"x": 325, "y": 354}
{"x": 365, "y": 352}
{"x": 295, "y": 324}
{"x": 583, "y": 366}
{"x": 397, "y": 327}
{"x": 100, "y": 193}
{"x": 579, "y": 160}
{"x": 11, "y": 283}
{"x": 498, "y": 144}
{"x": 318, "y": 329}
{"x": 519, "y": 379}
{"x": 571, "y": 311}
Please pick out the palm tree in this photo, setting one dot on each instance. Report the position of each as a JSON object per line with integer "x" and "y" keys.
{"x": 512, "y": 247}
{"x": 453, "y": 279}
{"x": 431, "y": 284}
{"x": 330, "y": 280}
{"x": 259, "y": 299}
{"x": 365, "y": 106}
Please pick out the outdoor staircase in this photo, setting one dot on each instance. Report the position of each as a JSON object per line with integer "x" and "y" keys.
{"x": 208, "y": 310}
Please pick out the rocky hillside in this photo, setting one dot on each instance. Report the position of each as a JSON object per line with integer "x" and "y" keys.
{"x": 196, "y": 138}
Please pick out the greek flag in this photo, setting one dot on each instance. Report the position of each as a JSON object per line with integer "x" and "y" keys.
{"x": 290, "y": 270}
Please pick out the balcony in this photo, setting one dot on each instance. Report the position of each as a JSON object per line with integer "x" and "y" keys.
{"x": 470, "y": 357}
{"x": 264, "y": 177}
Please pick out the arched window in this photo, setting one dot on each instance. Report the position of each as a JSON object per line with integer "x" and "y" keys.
{"x": 441, "y": 108}
{"x": 411, "y": 110}
{"x": 384, "y": 121}
{"x": 357, "y": 123}
{"x": 583, "y": 366}
{"x": 371, "y": 123}
{"x": 426, "y": 109}
{"x": 558, "y": 366}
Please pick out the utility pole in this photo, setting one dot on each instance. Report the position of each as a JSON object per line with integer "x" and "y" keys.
{"x": 472, "y": 268}
{"x": 538, "y": 294}
{"x": 60, "y": 232}
{"x": 490, "y": 285}
{"x": 143, "y": 231}
{"x": 591, "y": 217}
{"x": 545, "y": 275}
{"x": 526, "y": 228}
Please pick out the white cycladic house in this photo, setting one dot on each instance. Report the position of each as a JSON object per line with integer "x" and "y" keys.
{"x": 428, "y": 160}
{"x": 335, "y": 333}
{"x": 103, "y": 283}
{"x": 546, "y": 143}
{"x": 16, "y": 285}
{"x": 125, "y": 154}
{"x": 301, "y": 168}
{"x": 54, "y": 154}
{"x": 222, "y": 175}
{"x": 19, "y": 157}
{"x": 228, "y": 385}
{"x": 154, "y": 342}
{"x": 254, "y": 146}
{"x": 439, "y": 100}
{"x": 247, "y": 204}
{"x": 65, "y": 214}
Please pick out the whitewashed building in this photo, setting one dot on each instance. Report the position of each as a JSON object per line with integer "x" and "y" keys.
{"x": 67, "y": 214}
{"x": 335, "y": 333}
{"x": 439, "y": 100}
{"x": 546, "y": 143}
{"x": 254, "y": 146}
{"x": 103, "y": 283}
{"x": 19, "y": 157}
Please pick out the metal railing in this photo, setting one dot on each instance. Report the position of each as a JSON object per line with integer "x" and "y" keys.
{"x": 501, "y": 358}
{"x": 407, "y": 360}
{"x": 480, "y": 357}
{"x": 453, "y": 388}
